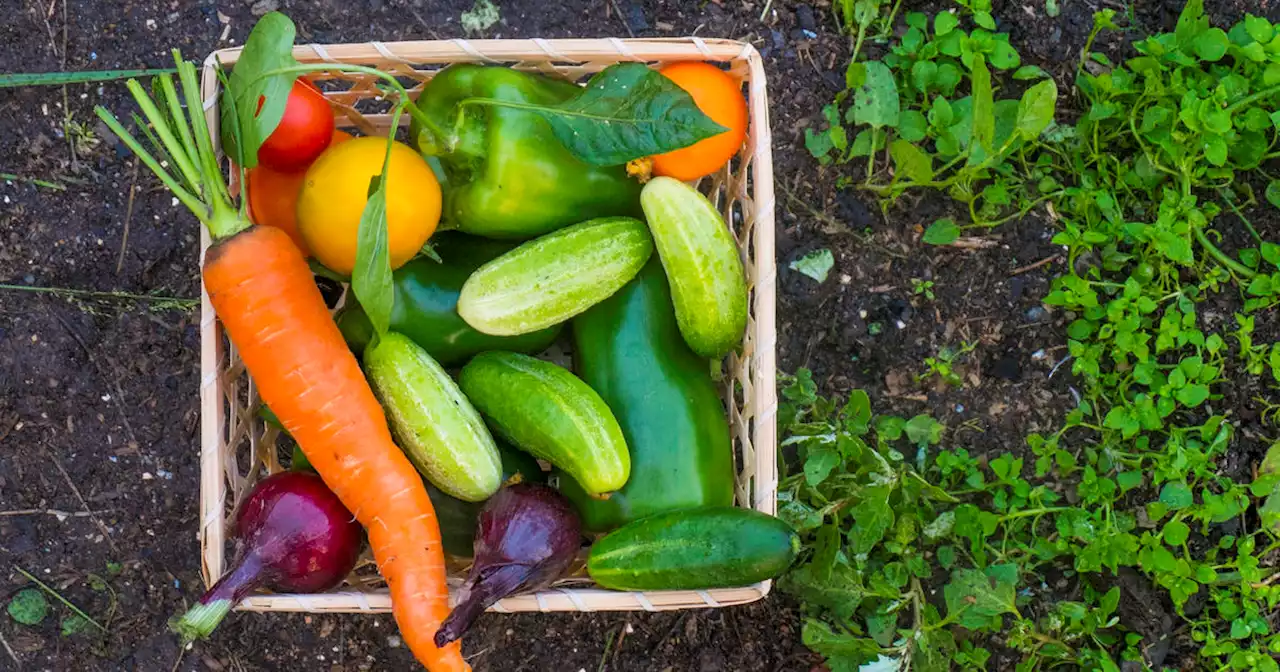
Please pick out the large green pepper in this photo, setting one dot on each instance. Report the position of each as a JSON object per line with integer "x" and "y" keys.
{"x": 506, "y": 174}
{"x": 426, "y": 305}
{"x": 629, "y": 350}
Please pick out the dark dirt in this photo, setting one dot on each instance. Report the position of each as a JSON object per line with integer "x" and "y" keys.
{"x": 99, "y": 403}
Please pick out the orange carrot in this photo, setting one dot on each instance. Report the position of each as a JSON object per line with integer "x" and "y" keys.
{"x": 263, "y": 290}
{"x": 272, "y": 310}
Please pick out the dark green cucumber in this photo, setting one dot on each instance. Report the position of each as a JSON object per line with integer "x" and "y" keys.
{"x": 426, "y": 305}
{"x": 630, "y": 351}
{"x": 458, "y": 518}
{"x": 713, "y": 547}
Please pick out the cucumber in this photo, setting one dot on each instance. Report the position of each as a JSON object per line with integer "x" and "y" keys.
{"x": 435, "y": 425}
{"x": 694, "y": 549}
{"x": 700, "y": 256}
{"x": 550, "y": 279}
{"x": 549, "y": 413}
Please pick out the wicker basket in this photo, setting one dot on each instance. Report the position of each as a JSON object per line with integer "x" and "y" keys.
{"x": 238, "y": 449}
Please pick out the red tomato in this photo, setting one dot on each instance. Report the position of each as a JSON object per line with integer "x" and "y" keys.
{"x": 273, "y": 196}
{"x": 304, "y": 131}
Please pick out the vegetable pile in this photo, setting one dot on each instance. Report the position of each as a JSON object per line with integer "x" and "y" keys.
{"x": 537, "y": 186}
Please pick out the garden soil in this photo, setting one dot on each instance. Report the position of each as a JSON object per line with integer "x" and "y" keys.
{"x": 99, "y": 412}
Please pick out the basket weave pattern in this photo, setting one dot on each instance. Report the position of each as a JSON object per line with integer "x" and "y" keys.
{"x": 238, "y": 448}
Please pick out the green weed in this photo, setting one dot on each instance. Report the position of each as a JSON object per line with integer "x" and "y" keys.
{"x": 1132, "y": 479}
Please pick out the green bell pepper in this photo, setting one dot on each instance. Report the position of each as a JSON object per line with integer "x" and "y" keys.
{"x": 507, "y": 175}
{"x": 630, "y": 351}
{"x": 426, "y": 305}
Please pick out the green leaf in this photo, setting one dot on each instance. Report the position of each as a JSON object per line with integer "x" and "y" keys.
{"x": 913, "y": 127}
{"x": 985, "y": 20}
{"x": 924, "y": 430}
{"x": 1175, "y": 533}
{"x": 371, "y": 277}
{"x": 843, "y": 652}
{"x": 819, "y": 463}
{"x": 857, "y": 411}
{"x": 944, "y": 23}
{"x": 876, "y": 102}
{"x": 923, "y": 74}
{"x": 1215, "y": 149}
{"x": 74, "y": 624}
{"x": 1029, "y": 72}
{"x": 943, "y": 232}
{"x": 1211, "y": 45}
{"x": 626, "y": 111}
{"x": 818, "y": 143}
{"x": 1035, "y": 110}
{"x": 872, "y": 518}
{"x": 1254, "y": 52}
{"x": 1193, "y": 395}
{"x": 269, "y": 47}
{"x": 1191, "y": 22}
{"x": 1004, "y": 57}
{"x": 1176, "y": 495}
{"x": 974, "y": 597}
{"x": 816, "y": 264}
{"x": 949, "y": 77}
{"x": 984, "y": 118}
{"x": 910, "y": 162}
{"x": 840, "y": 591}
{"x": 28, "y": 606}
{"x": 940, "y": 113}
{"x": 1051, "y": 8}
{"x": 1273, "y": 193}
{"x": 1271, "y": 76}
{"x": 1259, "y": 28}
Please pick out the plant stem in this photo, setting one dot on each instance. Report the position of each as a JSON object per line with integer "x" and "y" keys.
{"x": 1026, "y": 513}
{"x": 1252, "y": 231}
{"x": 1221, "y": 257}
{"x": 1249, "y": 99}
{"x": 387, "y": 77}
{"x": 62, "y": 291}
{"x": 59, "y": 598}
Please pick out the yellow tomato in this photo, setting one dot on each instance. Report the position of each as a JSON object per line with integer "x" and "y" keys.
{"x": 336, "y": 189}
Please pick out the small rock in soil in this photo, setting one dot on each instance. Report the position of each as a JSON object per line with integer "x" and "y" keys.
{"x": 633, "y": 14}
{"x": 1037, "y": 314}
{"x": 804, "y": 18}
{"x": 264, "y": 6}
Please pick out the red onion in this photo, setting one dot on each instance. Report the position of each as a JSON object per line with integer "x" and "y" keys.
{"x": 292, "y": 534}
{"x": 527, "y": 536}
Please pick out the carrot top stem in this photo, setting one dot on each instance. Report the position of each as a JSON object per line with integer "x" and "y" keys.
{"x": 184, "y": 141}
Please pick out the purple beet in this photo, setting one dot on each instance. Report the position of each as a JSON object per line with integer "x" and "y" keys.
{"x": 292, "y": 535}
{"x": 527, "y": 536}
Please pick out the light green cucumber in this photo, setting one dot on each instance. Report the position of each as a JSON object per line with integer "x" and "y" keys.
{"x": 701, "y": 259}
{"x": 438, "y": 429}
{"x": 550, "y": 279}
{"x": 549, "y": 413}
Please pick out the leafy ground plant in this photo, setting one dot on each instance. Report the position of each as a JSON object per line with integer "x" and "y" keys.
{"x": 1164, "y": 142}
